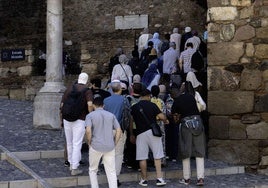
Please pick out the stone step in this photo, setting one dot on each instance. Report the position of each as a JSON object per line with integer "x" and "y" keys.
{"x": 46, "y": 169}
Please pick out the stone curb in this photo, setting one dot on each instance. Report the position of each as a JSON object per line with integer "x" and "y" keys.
{"x": 84, "y": 180}
{"x": 14, "y": 160}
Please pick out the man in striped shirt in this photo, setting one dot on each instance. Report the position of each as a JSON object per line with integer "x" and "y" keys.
{"x": 185, "y": 60}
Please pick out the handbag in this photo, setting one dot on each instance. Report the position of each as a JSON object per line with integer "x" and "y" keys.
{"x": 194, "y": 124}
{"x": 154, "y": 126}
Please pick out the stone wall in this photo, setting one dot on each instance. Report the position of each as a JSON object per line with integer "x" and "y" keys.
{"x": 238, "y": 81}
{"x": 89, "y": 25}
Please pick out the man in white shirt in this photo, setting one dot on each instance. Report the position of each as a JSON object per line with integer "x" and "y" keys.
{"x": 170, "y": 59}
{"x": 176, "y": 37}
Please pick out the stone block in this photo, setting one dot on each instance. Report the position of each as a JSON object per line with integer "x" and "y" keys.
{"x": 250, "y": 79}
{"x": 4, "y": 92}
{"x": 30, "y": 59}
{"x": 240, "y": 3}
{"x": 62, "y": 182}
{"x": 244, "y": 33}
{"x": 257, "y": 131}
{"x": 4, "y": 72}
{"x": 261, "y": 104}
{"x": 83, "y": 180}
{"x": 264, "y": 11}
{"x": 17, "y": 94}
{"x": 85, "y": 57}
{"x": 23, "y": 184}
{"x": 251, "y": 118}
{"x": 217, "y": 53}
{"x": 223, "y": 13}
{"x": 52, "y": 154}
{"x": 264, "y": 161}
{"x": 28, "y": 52}
{"x": 262, "y": 32}
{"x": 234, "y": 151}
{"x": 237, "y": 130}
{"x": 250, "y": 49}
{"x": 264, "y": 116}
{"x": 216, "y": 3}
{"x": 246, "y": 12}
{"x": 265, "y": 75}
{"x": 264, "y": 22}
{"x": 4, "y": 184}
{"x": 227, "y": 170}
{"x": 28, "y": 155}
{"x": 264, "y": 151}
{"x": 25, "y": 71}
{"x": 261, "y": 51}
{"x": 219, "y": 127}
{"x": 228, "y": 103}
{"x": 227, "y": 32}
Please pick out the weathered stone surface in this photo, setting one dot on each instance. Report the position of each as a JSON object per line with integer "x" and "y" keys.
{"x": 244, "y": 33}
{"x": 85, "y": 57}
{"x": 264, "y": 151}
{"x": 261, "y": 51}
{"x": 251, "y": 118}
{"x": 264, "y": 116}
{"x": 246, "y": 12}
{"x": 218, "y": 52}
{"x": 234, "y": 151}
{"x": 4, "y": 72}
{"x": 255, "y": 22}
{"x": 240, "y": 3}
{"x": 264, "y": 11}
{"x": 262, "y": 32}
{"x": 264, "y": 161}
{"x": 30, "y": 59}
{"x": 219, "y": 127}
{"x": 265, "y": 75}
{"x": 92, "y": 68}
{"x": 258, "y": 131}
{"x": 223, "y": 13}
{"x": 222, "y": 79}
{"x": 264, "y": 22}
{"x": 17, "y": 94}
{"x": 228, "y": 103}
{"x": 263, "y": 143}
{"x": 250, "y": 49}
{"x": 264, "y": 65}
{"x": 3, "y": 92}
{"x": 227, "y": 32}
{"x": 234, "y": 68}
{"x": 216, "y": 3}
{"x": 25, "y": 71}
{"x": 250, "y": 79}
{"x": 261, "y": 104}
{"x": 237, "y": 130}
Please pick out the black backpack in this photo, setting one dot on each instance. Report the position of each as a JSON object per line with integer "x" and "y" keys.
{"x": 125, "y": 121}
{"x": 74, "y": 104}
{"x": 197, "y": 61}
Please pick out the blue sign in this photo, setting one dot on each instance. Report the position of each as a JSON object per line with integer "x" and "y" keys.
{"x": 12, "y": 54}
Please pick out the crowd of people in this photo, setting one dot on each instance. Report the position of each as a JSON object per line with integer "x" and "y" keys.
{"x": 158, "y": 85}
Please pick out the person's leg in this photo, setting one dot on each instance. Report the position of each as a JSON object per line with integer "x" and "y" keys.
{"x": 78, "y": 135}
{"x": 93, "y": 158}
{"x": 109, "y": 165}
{"x": 157, "y": 163}
{"x": 119, "y": 153}
{"x": 186, "y": 168}
{"x": 143, "y": 166}
{"x": 200, "y": 169}
{"x": 69, "y": 137}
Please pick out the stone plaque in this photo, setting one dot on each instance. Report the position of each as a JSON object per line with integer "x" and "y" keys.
{"x": 131, "y": 22}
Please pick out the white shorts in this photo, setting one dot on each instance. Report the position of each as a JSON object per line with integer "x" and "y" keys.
{"x": 145, "y": 141}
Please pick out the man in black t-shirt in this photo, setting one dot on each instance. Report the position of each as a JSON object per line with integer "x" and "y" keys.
{"x": 145, "y": 138}
{"x": 96, "y": 89}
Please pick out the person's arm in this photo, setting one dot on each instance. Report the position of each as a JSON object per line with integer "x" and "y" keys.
{"x": 89, "y": 135}
{"x": 180, "y": 63}
{"x": 117, "y": 136}
{"x": 90, "y": 106}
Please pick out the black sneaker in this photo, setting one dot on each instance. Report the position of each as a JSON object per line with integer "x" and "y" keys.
{"x": 160, "y": 182}
{"x": 66, "y": 164}
{"x": 143, "y": 183}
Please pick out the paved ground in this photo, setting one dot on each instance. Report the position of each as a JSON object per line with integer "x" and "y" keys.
{"x": 18, "y": 134}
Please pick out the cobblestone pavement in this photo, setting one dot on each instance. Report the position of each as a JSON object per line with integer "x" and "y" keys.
{"x": 18, "y": 134}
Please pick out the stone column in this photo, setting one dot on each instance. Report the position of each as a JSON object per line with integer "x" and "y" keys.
{"x": 47, "y": 101}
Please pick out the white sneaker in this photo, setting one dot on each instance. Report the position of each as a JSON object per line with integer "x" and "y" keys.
{"x": 75, "y": 172}
{"x": 143, "y": 183}
{"x": 160, "y": 182}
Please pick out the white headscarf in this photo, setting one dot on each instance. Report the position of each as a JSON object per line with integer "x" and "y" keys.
{"x": 192, "y": 78}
